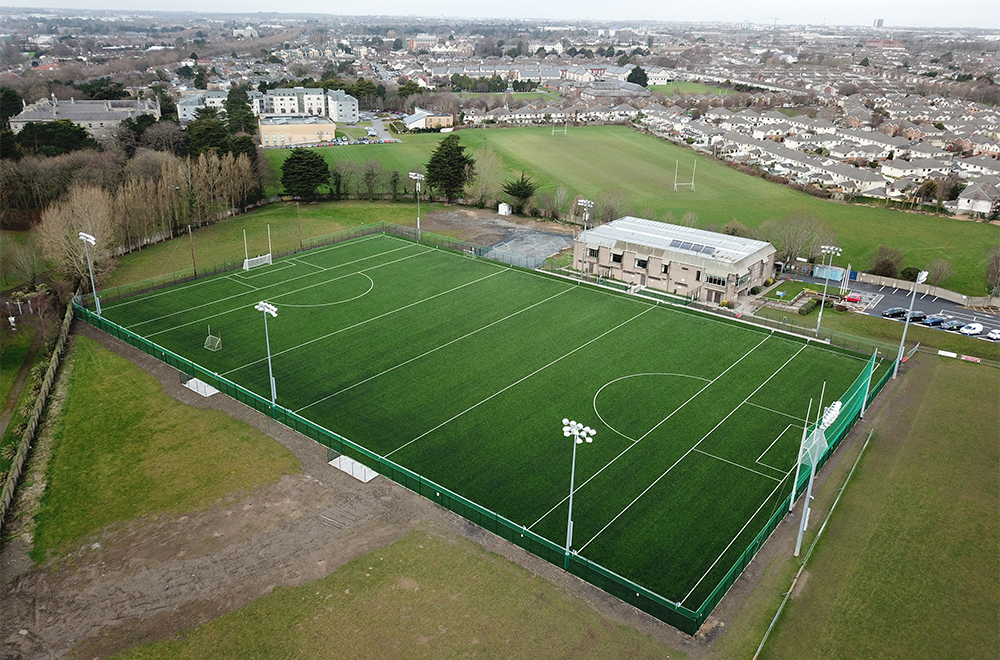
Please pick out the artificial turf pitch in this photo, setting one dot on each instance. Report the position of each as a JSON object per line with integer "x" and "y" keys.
{"x": 462, "y": 370}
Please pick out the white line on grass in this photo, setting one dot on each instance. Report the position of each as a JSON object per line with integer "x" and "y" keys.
{"x": 721, "y": 422}
{"x": 611, "y": 382}
{"x": 207, "y": 280}
{"x": 374, "y": 318}
{"x": 233, "y": 279}
{"x": 725, "y": 460}
{"x": 769, "y": 448}
{"x": 371, "y": 285}
{"x": 263, "y": 272}
{"x": 228, "y": 311}
{"x": 436, "y": 348}
{"x": 306, "y": 263}
{"x": 636, "y": 442}
{"x": 749, "y": 520}
{"x": 521, "y": 380}
{"x": 776, "y": 412}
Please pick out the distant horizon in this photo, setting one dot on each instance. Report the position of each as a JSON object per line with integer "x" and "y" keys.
{"x": 849, "y": 14}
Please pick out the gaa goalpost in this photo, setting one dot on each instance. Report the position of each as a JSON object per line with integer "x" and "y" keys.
{"x": 260, "y": 259}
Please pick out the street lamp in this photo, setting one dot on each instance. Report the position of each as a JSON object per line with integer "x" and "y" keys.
{"x": 268, "y": 308}
{"x": 89, "y": 240}
{"x": 587, "y": 205}
{"x": 819, "y": 433}
{"x": 830, "y": 250}
{"x": 418, "y": 177}
{"x": 580, "y": 435}
{"x": 921, "y": 278}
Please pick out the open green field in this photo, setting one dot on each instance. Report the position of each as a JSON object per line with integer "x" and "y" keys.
{"x": 907, "y": 568}
{"x": 461, "y": 370}
{"x": 119, "y": 441}
{"x": 684, "y": 87}
{"x": 589, "y": 161}
{"x": 539, "y": 94}
{"x": 422, "y": 596}
{"x": 791, "y": 288}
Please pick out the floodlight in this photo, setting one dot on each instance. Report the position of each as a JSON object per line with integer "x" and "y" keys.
{"x": 267, "y": 308}
{"x": 581, "y": 433}
{"x": 88, "y": 238}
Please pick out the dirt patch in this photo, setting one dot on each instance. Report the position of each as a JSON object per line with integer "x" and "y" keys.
{"x": 157, "y": 576}
{"x": 800, "y": 584}
{"x": 485, "y": 227}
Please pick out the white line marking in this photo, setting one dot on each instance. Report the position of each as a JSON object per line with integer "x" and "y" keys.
{"x": 371, "y": 285}
{"x": 610, "y": 382}
{"x": 636, "y": 442}
{"x": 306, "y": 263}
{"x": 719, "y": 458}
{"x": 235, "y": 309}
{"x": 802, "y": 348}
{"x": 436, "y": 348}
{"x": 234, "y": 279}
{"x": 374, "y": 318}
{"x": 181, "y": 287}
{"x": 262, "y": 272}
{"x": 521, "y": 380}
{"x": 772, "y": 444}
{"x": 776, "y": 412}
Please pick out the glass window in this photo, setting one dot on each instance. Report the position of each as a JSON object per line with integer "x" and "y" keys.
{"x": 592, "y": 253}
{"x": 641, "y": 263}
{"x": 715, "y": 279}
{"x": 697, "y": 276}
{"x": 617, "y": 258}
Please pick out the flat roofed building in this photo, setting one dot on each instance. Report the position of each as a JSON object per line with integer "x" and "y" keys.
{"x": 341, "y": 106}
{"x": 292, "y": 131}
{"x": 699, "y": 264}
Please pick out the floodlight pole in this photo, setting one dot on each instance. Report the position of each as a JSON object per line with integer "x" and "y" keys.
{"x": 827, "y": 250}
{"x": 268, "y": 308}
{"x": 587, "y": 205}
{"x": 921, "y": 278}
{"x": 580, "y": 435}
{"x": 89, "y": 240}
{"x": 418, "y": 177}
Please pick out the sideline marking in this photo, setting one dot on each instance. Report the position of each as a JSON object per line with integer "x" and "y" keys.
{"x": 233, "y": 279}
{"x": 724, "y": 460}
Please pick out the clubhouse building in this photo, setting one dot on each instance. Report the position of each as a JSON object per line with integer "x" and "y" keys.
{"x": 695, "y": 263}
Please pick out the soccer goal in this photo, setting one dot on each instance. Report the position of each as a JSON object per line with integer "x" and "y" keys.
{"x": 259, "y": 260}
{"x": 213, "y": 342}
{"x": 558, "y": 129}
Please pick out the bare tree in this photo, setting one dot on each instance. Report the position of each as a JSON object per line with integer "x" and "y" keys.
{"x": 795, "y": 236}
{"x": 371, "y": 177}
{"x": 610, "y": 205}
{"x": 689, "y": 219}
{"x": 485, "y": 187}
{"x": 164, "y": 136}
{"x": 993, "y": 271}
{"x": 939, "y": 270}
{"x": 885, "y": 262}
{"x": 85, "y": 209}
{"x": 22, "y": 260}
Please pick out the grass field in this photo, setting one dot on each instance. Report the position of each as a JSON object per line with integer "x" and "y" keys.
{"x": 589, "y": 161}
{"x": 13, "y": 349}
{"x": 683, "y": 87}
{"x": 908, "y": 566}
{"x": 461, "y": 370}
{"x": 424, "y": 596}
{"x": 789, "y": 289}
{"x": 118, "y": 442}
{"x": 515, "y": 96}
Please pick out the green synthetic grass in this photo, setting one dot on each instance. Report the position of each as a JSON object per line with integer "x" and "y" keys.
{"x": 222, "y": 243}
{"x": 461, "y": 370}
{"x": 908, "y": 565}
{"x": 684, "y": 87}
{"x": 589, "y": 161}
{"x": 423, "y": 596}
{"x": 124, "y": 449}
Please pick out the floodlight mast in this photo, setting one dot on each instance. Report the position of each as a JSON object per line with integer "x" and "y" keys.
{"x": 830, "y": 416}
{"x": 921, "y": 278}
{"x": 826, "y": 250}
{"x": 418, "y": 177}
{"x": 586, "y": 204}
{"x": 89, "y": 240}
{"x": 580, "y": 435}
{"x": 268, "y": 308}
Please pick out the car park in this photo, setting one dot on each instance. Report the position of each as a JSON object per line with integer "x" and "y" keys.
{"x": 853, "y": 298}
{"x": 894, "y": 312}
{"x": 972, "y": 329}
{"x": 916, "y": 316}
{"x": 994, "y": 334}
{"x": 934, "y": 319}
{"x": 953, "y": 324}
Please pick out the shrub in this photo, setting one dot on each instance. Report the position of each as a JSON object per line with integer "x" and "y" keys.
{"x": 755, "y": 290}
{"x": 808, "y": 307}
{"x": 769, "y": 281}
{"x": 909, "y": 273}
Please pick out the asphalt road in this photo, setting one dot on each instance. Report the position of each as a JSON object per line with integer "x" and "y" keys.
{"x": 880, "y": 298}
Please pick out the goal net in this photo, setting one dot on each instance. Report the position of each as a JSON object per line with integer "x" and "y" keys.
{"x": 257, "y": 261}
{"x": 212, "y": 342}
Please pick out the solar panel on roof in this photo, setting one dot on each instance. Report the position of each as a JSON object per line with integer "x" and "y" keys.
{"x": 675, "y": 243}
{"x": 685, "y": 246}
{"x": 708, "y": 249}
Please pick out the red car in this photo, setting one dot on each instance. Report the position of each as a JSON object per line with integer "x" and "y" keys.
{"x": 853, "y": 298}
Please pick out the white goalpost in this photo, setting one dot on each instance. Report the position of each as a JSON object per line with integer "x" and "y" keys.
{"x": 677, "y": 184}
{"x": 259, "y": 260}
{"x": 564, "y": 128}
{"x": 213, "y": 342}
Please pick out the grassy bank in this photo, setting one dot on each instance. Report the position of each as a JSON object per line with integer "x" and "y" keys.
{"x": 683, "y": 87}
{"x": 124, "y": 449}
{"x": 424, "y": 596}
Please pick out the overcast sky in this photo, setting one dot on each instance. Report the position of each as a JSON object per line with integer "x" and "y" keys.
{"x": 906, "y": 13}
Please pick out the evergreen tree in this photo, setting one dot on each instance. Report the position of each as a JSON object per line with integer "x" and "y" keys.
{"x": 239, "y": 116}
{"x": 520, "y": 191}
{"x": 303, "y": 172}
{"x": 638, "y": 76}
{"x": 450, "y": 168}
{"x": 207, "y": 132}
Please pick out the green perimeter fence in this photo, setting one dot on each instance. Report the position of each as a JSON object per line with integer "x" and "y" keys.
{"x": 652, "y": 603}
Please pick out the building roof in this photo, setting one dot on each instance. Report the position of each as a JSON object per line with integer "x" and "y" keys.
{"x": 293, "y": 120}
{"x": 635, "y": 233}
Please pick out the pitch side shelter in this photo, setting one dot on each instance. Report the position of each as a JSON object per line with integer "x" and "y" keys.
{"x": 695, "y": 263}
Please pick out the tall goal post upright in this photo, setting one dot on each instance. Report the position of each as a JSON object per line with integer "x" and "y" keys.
{"x": 259, "y": 260}
{"x": 798, "y": 461}
{"x": 694, "y": 171}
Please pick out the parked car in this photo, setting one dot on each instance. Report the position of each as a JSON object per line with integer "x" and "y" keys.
{"x": 972, "y": 329}
{"x": 853, "y": 298}
{"x": 953, "y": 324}
{"x": 934, "y": 319}
{"x": 894, "y": 312}
{"x": 994, "y": 334}
{"x": 916, "y": 316}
